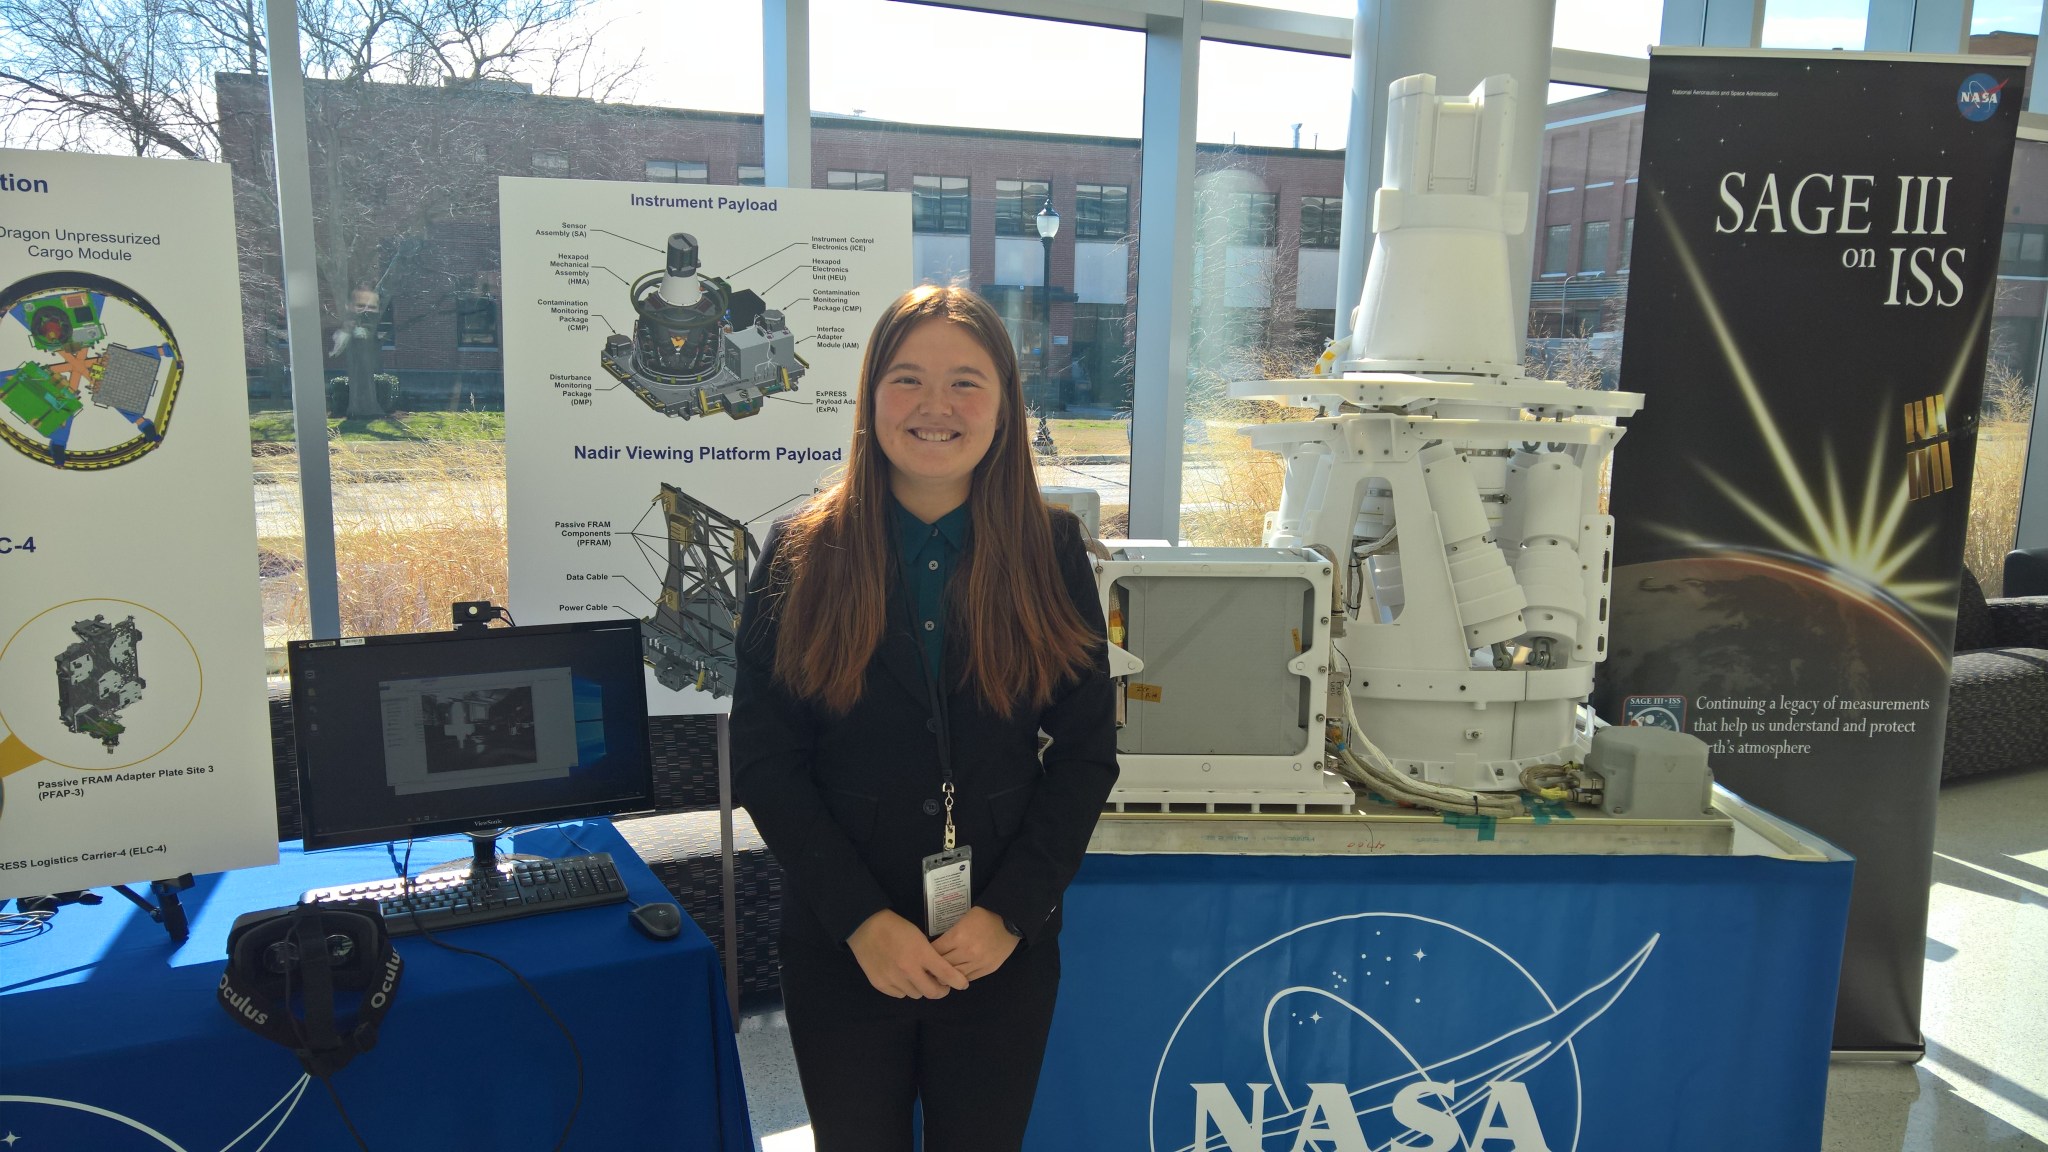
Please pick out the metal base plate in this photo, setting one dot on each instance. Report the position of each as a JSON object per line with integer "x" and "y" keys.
{"x": 1378, "y": 829}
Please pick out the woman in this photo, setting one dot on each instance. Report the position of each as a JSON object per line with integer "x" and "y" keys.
{"x": 906, "y": 640}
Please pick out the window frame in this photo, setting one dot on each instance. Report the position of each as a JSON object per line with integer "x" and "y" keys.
{"x": 469, "y": 306}
{"x": 1329, "y": 220}
{"x": 856, "y": 180}
{"x": 947, "y": 198}
{"x": 700, "y": 171}
{"x": 1557, "y": 250}
{"x": 1093, "y": 199}
{"x": 1017, "y": 207}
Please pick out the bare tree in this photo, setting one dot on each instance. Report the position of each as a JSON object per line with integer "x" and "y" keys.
{"x": 100, "y": 74}
{"x": 393, "y": 153}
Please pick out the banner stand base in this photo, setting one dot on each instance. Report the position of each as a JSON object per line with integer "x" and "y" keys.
{"x": 1879, "y": 1055}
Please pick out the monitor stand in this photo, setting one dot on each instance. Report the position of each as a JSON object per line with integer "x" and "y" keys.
{"x": 485, "y": 864}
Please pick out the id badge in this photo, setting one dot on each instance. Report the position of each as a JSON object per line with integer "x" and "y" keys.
{"x": 948, "y": 889}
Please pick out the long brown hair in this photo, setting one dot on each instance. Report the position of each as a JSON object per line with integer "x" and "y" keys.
{"x": 1008, "y": 606}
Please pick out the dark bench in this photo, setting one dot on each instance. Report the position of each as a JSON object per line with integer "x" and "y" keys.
{"x": 1998, "y": 685}
{"x": 679, "y": 841}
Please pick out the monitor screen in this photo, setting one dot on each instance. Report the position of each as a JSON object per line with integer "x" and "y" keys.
{"x": 469, "y": 731}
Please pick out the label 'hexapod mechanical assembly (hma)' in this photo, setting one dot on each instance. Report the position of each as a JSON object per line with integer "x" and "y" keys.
{"x": 699, "y": 347}
{"x": 98, "y": 676}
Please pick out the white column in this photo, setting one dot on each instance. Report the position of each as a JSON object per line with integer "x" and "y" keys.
{"x": 1460, "y": 42}
{"x": 1166, "y": 253}
{"x": 2037, "y": 92}
{"x": 786, "y": 96}
{"x": 1368, "y": 95}
{"x": 300, "y": 258}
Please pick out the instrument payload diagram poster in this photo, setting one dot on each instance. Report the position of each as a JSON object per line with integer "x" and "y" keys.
{"x": 133, "y": 740}
{"x": 681, "y": 365}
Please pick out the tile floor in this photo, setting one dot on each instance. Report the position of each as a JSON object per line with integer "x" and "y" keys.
{"x": 1984, "y": 1083}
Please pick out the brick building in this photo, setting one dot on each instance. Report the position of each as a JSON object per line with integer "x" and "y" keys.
{"x": 405, "y": 196}
{"x": 412, "y": 205}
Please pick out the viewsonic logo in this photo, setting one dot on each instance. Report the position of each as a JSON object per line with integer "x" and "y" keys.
{"x": 1327, "y": 1066}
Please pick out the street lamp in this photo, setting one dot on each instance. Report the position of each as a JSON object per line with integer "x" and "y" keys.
{"x": 1048, "y": 227}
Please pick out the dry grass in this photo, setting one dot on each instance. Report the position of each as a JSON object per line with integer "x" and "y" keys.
{"x": 1995, "y": 501}
{"x": 2001, "y": 471}
{"x": 420, "y": 525}
{"x": 1228, "y": 486}
{"x": 417, "y": 526}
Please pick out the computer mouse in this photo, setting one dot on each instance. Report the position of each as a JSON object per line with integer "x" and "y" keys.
{"x": 657, "y": 921}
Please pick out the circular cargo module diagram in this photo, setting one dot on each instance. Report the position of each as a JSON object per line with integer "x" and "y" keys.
{"x": 88, "y": 371}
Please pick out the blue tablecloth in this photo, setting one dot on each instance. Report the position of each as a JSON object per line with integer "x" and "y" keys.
{"x": 1498, "y": 1003}
{"x": 111, "y": 1037}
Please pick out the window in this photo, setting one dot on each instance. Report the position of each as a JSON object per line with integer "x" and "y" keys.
{"x": 1593, "y": 248}
{"x": 1099, "y": 373}
{"x": 679, "y": 171}
{"x": 1017, "y": 205}
{"x": 1008, "y": 122}
{"x": 1841, "y": 25}
{"x": 2023, "y": 250}
{"x": 1262, "y": 297}
{"x": 1628, "y": 240}
{"x": 476, "y": 322}
{"x": 1618, "y": 27}
{"x": 1557, "y": 245}
{"x": 938, "y": 203}
{"x": 547, "y": 162}
{"x": 1321, "y": 217}
{"x": 1254, "y": 218}
{"x": 857, "y": 181}
{"x": 1102, "y": 211}
{"x": 753, "y": 175}
{"x": 387, "y": 326}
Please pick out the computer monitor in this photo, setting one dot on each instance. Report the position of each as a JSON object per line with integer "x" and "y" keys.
{"x": 469, "y": 731}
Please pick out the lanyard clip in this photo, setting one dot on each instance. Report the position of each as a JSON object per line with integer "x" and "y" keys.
{"x": 947, "y": 788}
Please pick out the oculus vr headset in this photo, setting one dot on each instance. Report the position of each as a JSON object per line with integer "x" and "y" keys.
{"x": 285, "y": 967}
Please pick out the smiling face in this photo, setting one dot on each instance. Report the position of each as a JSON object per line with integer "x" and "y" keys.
{"x": 937, "y": 407}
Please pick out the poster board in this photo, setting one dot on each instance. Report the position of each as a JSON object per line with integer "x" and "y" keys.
{"x": 134, "y": 744}
{"x": 1809, "y": 312}
{"x": 681, "y": 363}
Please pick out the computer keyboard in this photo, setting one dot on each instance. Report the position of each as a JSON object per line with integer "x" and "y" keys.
{"x": 440, "y": 900}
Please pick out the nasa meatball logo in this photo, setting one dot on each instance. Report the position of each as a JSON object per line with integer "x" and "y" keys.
{"x": 1381, "y": 1030}
{"x": 1978, "y": 98}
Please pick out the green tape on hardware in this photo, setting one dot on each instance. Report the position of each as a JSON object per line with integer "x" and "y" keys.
{"x": 1484, "y": 825}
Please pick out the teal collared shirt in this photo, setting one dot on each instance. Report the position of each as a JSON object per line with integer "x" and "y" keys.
{"x": 929, "y": 553}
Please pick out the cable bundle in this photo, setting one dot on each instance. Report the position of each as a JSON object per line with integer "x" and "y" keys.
{"x": 1374, "y": 770}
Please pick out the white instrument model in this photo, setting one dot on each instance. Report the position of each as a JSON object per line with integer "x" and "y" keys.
{"x": 1454, "y": 501}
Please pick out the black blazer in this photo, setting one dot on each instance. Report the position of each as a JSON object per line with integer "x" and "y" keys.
{"x": 850, "y": 804}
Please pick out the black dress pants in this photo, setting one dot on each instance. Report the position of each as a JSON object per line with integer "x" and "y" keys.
{"x": 970, "y": 1058}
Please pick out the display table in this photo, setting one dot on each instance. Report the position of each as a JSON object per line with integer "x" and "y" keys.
{"x": 1335, "y": 995}
{"x": 113, "y": 1038}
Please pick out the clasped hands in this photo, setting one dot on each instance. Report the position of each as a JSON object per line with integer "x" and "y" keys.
{"x": 899, "y": 961}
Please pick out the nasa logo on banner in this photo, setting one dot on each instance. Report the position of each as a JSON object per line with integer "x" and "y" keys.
{"x": 1977, "y": 98}
{"x": 1379, "y": 1030}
